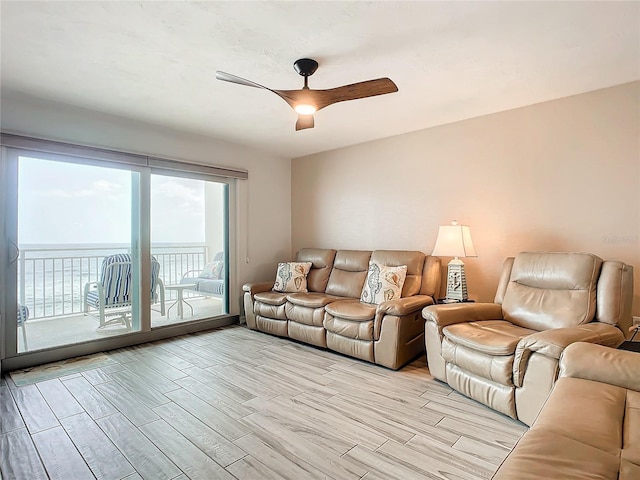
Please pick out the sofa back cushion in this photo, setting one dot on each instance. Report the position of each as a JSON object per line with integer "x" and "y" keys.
{"x": 348, "y": 274}
{"x": 321, "y": 262}
{"x": 412, "y": 259}
{"x": 551, "y": 290}
{"x": 431, "y": 277}
{"x": 615, "y": 294}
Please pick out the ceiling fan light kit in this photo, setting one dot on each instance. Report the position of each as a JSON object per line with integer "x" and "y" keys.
{"x": 307, "y": 101}
{"x": 305, "y": 109}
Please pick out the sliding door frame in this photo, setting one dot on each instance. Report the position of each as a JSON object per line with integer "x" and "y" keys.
{"x": 144, "y": 166}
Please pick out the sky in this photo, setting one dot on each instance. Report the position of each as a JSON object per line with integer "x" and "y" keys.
{"x": 70, "y": 203}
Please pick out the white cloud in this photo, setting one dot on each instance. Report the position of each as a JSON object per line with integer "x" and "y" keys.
{"x": 96, "y": 188}
{"x": 178, "y": 191}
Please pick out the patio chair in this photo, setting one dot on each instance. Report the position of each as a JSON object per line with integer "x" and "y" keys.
{"x": 111, "y": 296}
{"x": 209, "y": 280}
{"x": 23, "y": 316}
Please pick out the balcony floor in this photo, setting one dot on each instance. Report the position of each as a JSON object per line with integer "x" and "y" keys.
{"x": 70, "y": 329}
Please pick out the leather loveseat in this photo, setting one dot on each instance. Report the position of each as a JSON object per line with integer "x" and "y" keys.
{"x": 590, "y": 425}
{"x": 331, "y": 315}
{"x": 505, "y": 354}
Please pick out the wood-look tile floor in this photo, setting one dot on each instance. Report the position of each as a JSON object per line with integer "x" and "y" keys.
{"x": 234, "y": 403}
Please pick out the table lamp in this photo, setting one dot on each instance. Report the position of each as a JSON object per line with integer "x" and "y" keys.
{"x": 455, "y": 241}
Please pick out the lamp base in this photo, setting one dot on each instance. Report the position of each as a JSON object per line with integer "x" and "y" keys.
{"x": 456, "y": 281}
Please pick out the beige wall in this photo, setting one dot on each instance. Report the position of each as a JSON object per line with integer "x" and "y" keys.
{"x": 561, "y": 175}
{"x": 263, "y": 220}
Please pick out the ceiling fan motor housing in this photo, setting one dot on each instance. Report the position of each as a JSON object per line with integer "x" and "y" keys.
{"x": 305, "y": 66}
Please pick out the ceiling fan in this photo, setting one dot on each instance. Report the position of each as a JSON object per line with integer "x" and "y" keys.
{"x": 307, "y": 101}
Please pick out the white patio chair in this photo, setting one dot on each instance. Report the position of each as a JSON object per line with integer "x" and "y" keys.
{"x": 111, "y": 296}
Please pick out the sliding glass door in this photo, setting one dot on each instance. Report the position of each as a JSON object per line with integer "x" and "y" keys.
{"x": 98, "y": 249}
{"x": 188, "y": 240}
{"x": 77, "y": 257}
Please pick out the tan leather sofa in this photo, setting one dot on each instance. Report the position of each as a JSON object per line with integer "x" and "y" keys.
{"x": 590, "y": 425}
{"x": 330, "y": 314}
{"x": 505, "y": 354}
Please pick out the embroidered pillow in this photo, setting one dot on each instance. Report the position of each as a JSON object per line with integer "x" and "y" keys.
{"x": 292, "y": 277}
{"x": 212, "y": 270}
{"x": 383, "y": 283}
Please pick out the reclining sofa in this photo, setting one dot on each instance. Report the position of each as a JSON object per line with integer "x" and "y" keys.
{"x": 505, "y": 354}
{"x": 331, "y": 315}
{"x": 588, "y": 428}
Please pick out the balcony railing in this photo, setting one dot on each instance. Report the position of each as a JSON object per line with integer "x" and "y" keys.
{"x": 51, "y": 278}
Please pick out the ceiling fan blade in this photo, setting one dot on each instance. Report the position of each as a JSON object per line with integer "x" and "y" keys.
{"x": 227, "y": 77}
{"x": 354, "y": 91}
{"x": 304, "y": 121}
{"x": 324, "y": 98}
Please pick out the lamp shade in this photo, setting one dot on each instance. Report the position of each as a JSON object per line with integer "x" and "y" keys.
{"x": 454, "y": 241}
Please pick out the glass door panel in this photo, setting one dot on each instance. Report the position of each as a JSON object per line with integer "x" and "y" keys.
{"x": 78, "y": 265}
{"x": 188, "y": 241}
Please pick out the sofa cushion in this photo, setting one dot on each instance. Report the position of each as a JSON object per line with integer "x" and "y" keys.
{"x": 383, "y": 283}
{"x": 314, "y": 335}
{"x": 322, "y": 263}
{"x": 292, "y": 277}
{"x": 276, "y": 312}
{"x": 304, "y": 315}
{"x": 362, "y": 349}
{"x": 353, "y": 329}
{"x": 348, "y": 274}
{"x": 544, "y": 455}
{"x": 552, "y": 290}
{"x": 271, "y": 298}
{"x": 351, "y": 310}
{"x": 492, "y": 337}
{"x": 585, "y": 430}
{"x": 604, "y": 404}
{"x": 613, "y": 306}
{"x": 311, "y": 299}
{"x": 272, "y": 325}
{"x": 414, "y": 262}
{"x": 495, "y": 395}
{"x": 497, "y": 368}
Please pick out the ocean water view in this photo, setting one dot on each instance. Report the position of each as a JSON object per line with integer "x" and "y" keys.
{"x": 52, "y": 277}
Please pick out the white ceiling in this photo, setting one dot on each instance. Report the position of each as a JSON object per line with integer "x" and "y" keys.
{"x": 156, "y": 61}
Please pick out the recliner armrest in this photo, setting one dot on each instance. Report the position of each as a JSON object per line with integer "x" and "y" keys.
{"x": 601, "y": 364}
{"x": 449, "y": 314}
{"x": 552, "y": 343}
{"x": 254, "y": 288}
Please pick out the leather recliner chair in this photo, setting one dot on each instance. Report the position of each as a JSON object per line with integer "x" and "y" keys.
{"x": 505, "y": 354}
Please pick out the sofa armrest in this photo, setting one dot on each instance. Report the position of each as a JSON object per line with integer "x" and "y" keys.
{"x": 404, "y": 306}
{"x": 399, "y": 307}
{"x": 254, "y": 288}
{"x": 601, "y": 364}
{"x": 552, "y": 343}
{"x": 449, "y": 314}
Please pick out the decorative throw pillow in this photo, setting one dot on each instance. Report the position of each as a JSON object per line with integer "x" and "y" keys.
{"x": 212, "y": 270}
{"x": 292, "y": 277}
{"x": 383, "y": 283}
